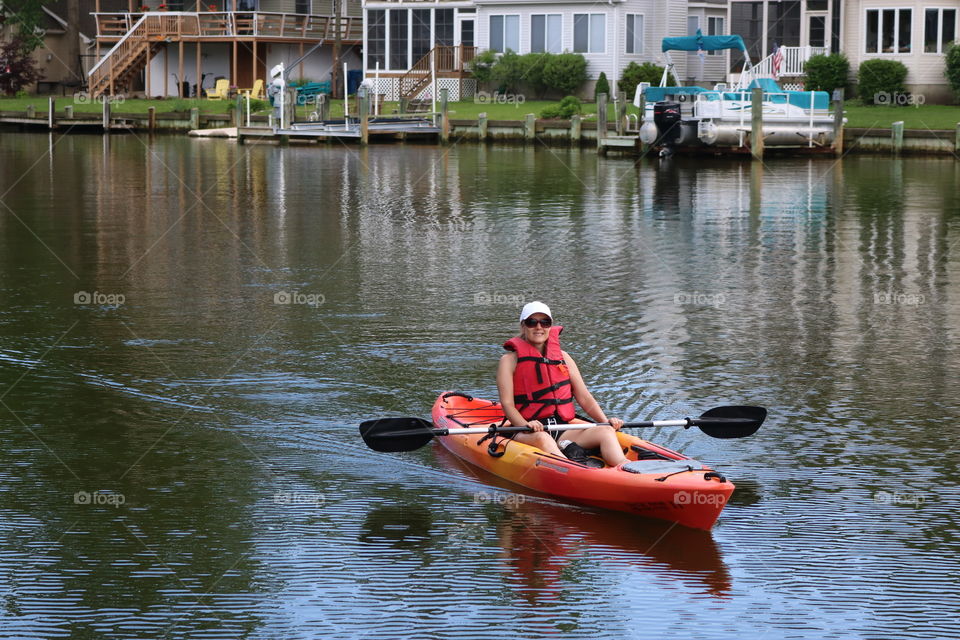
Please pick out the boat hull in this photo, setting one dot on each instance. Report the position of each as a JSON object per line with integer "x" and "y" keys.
{"x": 690, "y": 497}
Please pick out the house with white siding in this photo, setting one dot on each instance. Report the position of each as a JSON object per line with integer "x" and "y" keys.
{"x": 914, "y": 32}
{"x": 398, "y": 36}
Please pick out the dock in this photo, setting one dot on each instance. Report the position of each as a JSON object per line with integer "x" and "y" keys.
{"x": 352, "y": 128}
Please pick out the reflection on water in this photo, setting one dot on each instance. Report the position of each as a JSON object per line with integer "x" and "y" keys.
{"x": 275, "y": 297}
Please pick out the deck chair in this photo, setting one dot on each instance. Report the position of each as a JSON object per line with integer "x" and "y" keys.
{"x": 256, "y": 93}
{"x": 220, "y": 92}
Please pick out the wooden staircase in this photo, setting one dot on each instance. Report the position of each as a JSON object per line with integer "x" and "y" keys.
{"x": 443, "y": 60}
{"x": 115, "y": 72}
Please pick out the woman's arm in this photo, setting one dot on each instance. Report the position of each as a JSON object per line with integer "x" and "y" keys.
{"x": 583, "y": 396}
{"x": 505, "y": 371}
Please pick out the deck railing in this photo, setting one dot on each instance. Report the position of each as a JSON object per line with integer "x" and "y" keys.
{"x": 233, "y": 24}
{"x": 794, "y": 60}
{"x": 441, "y": 59}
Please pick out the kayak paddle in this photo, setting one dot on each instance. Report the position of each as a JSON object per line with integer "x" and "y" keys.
{"x": 407, "y": 434}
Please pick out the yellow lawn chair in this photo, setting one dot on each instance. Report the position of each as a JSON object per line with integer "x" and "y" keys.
{"x": 257, "y": 92}
{"x": 220, "y": 92}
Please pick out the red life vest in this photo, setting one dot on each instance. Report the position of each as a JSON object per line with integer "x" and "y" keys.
{"x": 541, "y": 382}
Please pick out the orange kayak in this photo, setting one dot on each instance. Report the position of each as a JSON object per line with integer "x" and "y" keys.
{"x": 656, "y": 483}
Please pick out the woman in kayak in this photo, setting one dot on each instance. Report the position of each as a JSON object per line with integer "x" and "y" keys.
{"x": 538, "y": 383}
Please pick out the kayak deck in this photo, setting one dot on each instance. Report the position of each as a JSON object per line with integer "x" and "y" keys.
{"x": 657, "y": 482}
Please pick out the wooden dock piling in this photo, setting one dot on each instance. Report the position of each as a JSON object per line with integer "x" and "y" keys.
{"x": 756, "y": 124}
{"x": 444, "y": 116}
{"x": 482, "y": 126}
{"x": 601, "y": 119}
{"x": 896, "y": 135}
{"x": 838, "y": 121}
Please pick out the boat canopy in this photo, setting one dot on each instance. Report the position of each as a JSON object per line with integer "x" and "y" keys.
{"x": 701, "y": 42}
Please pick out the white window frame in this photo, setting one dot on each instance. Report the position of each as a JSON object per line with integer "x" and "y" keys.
{"x": 546, "y": 32}
{"x": 940, "y": 11}
{"x": 590, "y": 43}
{"x": 636, "y": 35}
{"x": 713, "y": 19}
{"x": 504, "y": 34}
{"x": 896, "y": 30}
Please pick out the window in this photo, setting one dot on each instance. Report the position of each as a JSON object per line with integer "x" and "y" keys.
{"x": 443, "y": 27}
{"x": 940, "y": 29}
{"x": 398, "y": 39}
{"x": 715, "y": 28}
{"x": 466, "y": 33}
{"x": 301, "y": 6}
{"x": 783, "y": 24}
{"x": 545, "y": 33}
{"x": 888, "y": 30}
{"x": 376, "y": 38}
{"x": 634, "y": 33}
{"x": 589, "y": 32}
{"x": 746, "y": 19}
{"x": 420, "y": 40}
{"x": 504, "y": 33}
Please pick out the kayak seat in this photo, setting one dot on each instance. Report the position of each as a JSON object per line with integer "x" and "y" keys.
{"x": 662, "y": 466}
{"x": 585, "y": 457}
{"x": 646, "y": 454}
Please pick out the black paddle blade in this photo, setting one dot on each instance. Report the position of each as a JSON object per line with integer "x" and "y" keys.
{"x": 396, "y": 434}
{"x": 731, "y": 422}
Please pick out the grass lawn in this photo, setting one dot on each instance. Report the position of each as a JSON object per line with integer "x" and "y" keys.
{"x": 84, "y": 105}
{"x": 928, "y": 116}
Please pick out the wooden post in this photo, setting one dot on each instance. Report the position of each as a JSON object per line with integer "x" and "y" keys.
{"x": 529, "y": 126}
{"x": 576, "y": 129}
{"x": 644, "y": 147}
{"x": 51, "y": 112}
{"x": 956, "y": 139}
{"x": 838, "y": 121}
{"x": 364, "y": 119}
{"x": 194, "y": 118}
{"x": 166, "y": 70}
{"x": 151, "y": 118}
{"x": 238, "y": 111}
{"x": 482, "y": 126}
{"x": 233, "y": 65}
{"x": 106, "y": 114}
{"x": 68, "y": 111}
{"x": 180, "y": 73}
{"x": 621, "y": 113}
{"x": 601, "y": 118}
{"x": 31, "y": 111}
{"x": 253, "y": 72}
{"x": 199, "y": 90}
{"x": 444, "y": 116}
{"x": 404, "y": 104}
{"x": 756, "y": 124}
{"x": 323, "y": 106}
{"x": 146, "y": 79}
{"x": 896, "y": 135}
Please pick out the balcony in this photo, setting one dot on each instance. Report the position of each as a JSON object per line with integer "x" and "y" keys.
{"x": 232, "y": 25}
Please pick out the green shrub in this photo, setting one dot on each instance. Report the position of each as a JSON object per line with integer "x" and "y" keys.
{"x": 533, "y": 65}
{"x": 826, "y": 73}
{"x": 565, "y": 72}
{"x": 183, "y": 105}
{"x": 953, "y": 67}
{"x": 482, "y": 66}
{"x": 564, "y": 110}
{"x": 508, "y": 71}
{"x": 879, "y": 78}
{"x": 258, "y": 105}
{"x": 603, "y": 86}
{"x": 635, "y": 73}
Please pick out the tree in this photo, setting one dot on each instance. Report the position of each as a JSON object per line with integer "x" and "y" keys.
{"x": 602, "y": 86}
{"x": 953, "y": 67}
{"x": 635, "y": 73}
{"x": 565, "y": 72}
{"x": 17, "y": 68}
{"x": 27, "y": 18}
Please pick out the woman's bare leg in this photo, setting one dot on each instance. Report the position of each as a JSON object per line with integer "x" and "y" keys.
{"x": 600, "y": 436}
{"x": 540, "y": 439}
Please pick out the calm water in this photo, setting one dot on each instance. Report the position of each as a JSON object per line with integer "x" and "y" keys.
{"x": 186, "y": 463}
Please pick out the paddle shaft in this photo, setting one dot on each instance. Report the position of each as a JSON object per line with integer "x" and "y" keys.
{"x": 562, "y": 427}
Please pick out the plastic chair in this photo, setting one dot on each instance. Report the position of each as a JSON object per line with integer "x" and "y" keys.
{"x": 220, "y": 92}
{"x": 256, "y": 93}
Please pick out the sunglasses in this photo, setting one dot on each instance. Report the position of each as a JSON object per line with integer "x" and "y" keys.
{"x": 532, "y": 322}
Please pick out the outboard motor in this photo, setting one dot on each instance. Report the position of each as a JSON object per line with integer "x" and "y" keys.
{"x": 666, "y": 115}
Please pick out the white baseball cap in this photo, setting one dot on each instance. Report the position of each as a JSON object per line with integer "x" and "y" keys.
{"x": 534, "y": 307}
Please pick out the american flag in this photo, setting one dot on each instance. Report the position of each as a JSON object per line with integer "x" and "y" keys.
{"x": 777, "y": 60}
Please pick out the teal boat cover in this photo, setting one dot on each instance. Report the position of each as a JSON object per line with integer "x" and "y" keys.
{"x": 701, "y": 42}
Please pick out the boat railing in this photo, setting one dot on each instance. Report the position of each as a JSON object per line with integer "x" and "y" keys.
{"x": 776, "y": 105}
